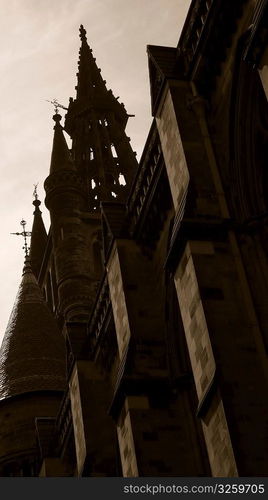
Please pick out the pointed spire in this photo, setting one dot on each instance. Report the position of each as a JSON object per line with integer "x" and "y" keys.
{"x": 32, "y": 354}
{"x": 91, "y": 87}
{"x": 90, "y": 81}
{"x": 38, "y": 238}
{"x": 96, "y": 122}
{"x": 60, "y": 157}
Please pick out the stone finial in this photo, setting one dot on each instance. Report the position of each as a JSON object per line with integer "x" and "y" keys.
{"x": 83, "y": 33}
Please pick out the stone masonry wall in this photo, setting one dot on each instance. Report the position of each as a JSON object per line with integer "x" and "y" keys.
{"x": 118, "y": 302}
{"x": 79, "y": 434}
{"x": 180, "y": 167}
{"x": 173, "y": 151}
{"x": 126, "y": 443}
{"x": 195, "y": 326}
{"x": 202, "y": 359}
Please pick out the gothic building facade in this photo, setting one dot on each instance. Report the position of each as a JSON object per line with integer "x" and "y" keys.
{"x": 137, "y": 345}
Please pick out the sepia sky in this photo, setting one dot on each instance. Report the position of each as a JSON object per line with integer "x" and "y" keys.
{"x": 39, "y": 42}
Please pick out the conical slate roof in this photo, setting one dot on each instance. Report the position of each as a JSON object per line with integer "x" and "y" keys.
{"x": 32, "y": 354}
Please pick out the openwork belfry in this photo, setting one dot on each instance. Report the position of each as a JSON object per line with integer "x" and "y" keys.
{"x": 137, "y": 345}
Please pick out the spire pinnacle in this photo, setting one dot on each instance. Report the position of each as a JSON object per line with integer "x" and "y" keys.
{"x": 38, "y": 238}
{"x": 83, "y": 33}
{"x": 60, "y": 157}
{"x": 90, "y": 84}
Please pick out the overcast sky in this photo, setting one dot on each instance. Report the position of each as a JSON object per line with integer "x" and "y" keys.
{"x": 39, "y": 42}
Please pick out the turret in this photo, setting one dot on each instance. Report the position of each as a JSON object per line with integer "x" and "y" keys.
{"x": 32, "y": 377}
{"x": 67, "y": 202}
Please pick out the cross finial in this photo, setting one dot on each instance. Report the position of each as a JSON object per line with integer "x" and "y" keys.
{"x": 25, "y": 234}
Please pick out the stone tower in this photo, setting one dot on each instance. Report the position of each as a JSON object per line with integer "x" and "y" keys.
{"x": 99, "y": 168}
